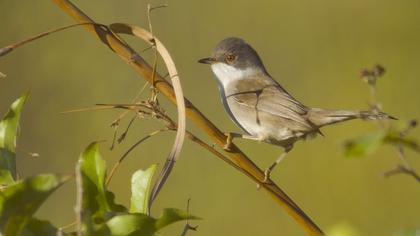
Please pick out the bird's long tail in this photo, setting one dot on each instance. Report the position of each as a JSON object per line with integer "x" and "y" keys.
{"x": 322, "y": 117}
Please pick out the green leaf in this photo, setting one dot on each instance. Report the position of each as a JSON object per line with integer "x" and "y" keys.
{"x": 364, "y": 145}
{"x": 141, "y": 224}
{"x": 342, "y": 229}
{"x": 172, "y": 215}
{"x": 8, "y": 134}
{"x": 131, "y": 224}
{"x": 36, "y": 227}
{"x": 368, "y": 144}
{"x": 141, "y": 184}
{"x": 19, "y": 201}
{"x": 96, "y": 199}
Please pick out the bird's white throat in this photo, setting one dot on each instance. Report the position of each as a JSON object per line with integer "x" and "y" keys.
{"x": 226, "y": 73}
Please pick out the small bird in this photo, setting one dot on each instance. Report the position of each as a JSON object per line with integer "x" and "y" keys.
{"x": 261, "y": 107}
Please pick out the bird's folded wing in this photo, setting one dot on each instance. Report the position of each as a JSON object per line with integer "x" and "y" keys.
{"x": 275, "y": 101}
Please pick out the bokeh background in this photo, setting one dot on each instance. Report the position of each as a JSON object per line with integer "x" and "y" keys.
{"x": 314, "y": 48}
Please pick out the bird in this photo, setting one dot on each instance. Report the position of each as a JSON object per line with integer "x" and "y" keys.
{"x": 261, "y": 107}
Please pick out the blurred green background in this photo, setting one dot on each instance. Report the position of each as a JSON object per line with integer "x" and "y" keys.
{"x": 314, "y": 48}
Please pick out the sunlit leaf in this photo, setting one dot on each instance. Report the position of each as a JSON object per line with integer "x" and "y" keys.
{"x": 364, "y": 145}
{"x": 2, "y": 75}
{"x": 8, "y": 133}
{"x": 342, "y": 229}
{"x": 19, "y": 201}
{"x": 368, "y": 144}
{"x": 141, "y": 224}
{"x": 131, "y": 224}
{"x": 96, "y": 199}
{"x": 141, "y": 184}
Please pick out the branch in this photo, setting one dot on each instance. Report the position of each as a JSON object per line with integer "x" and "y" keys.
{"x": 402, "y": 170}
{"x": 187, "y": 225}
{"x": 118, "y": 163}
{"x": 8, "y": 49}
{"x": 235, "y": 154}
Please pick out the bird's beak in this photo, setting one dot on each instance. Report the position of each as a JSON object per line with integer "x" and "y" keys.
{"x": 208, "y": 60}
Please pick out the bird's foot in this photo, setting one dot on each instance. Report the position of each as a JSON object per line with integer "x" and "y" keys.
{"x": 228, "y": 145}
{"x": 266, "y": 179}
{"x": 267, "y": 173}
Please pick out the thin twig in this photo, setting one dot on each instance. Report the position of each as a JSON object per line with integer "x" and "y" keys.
{"x": 134, "y": 100}
{"x": 405, "y": 167}
{"x": 59, "y": 232}
{"x": 371, "y": 77}
{"x": 401, "y": 156}
{"x": 149, "y": 10}
{"x": 171, "y": 125}
{"x": 124, "y": 113}
{"x": 79, "y": 199}
{"x": 67, "y": 226}
{"x": 114, "y": 135}
{"x": 187, "y": 225}
{"x": 402, "y": 170}
{"x": 95, "y": 108}
{"x": 6, "y": 50}
{"x": 122, "y": 136}
{"x": 117, "y": 164}
{"x": 153, "y": 45}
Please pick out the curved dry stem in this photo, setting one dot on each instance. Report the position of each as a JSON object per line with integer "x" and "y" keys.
{"x": 173, "y": 73}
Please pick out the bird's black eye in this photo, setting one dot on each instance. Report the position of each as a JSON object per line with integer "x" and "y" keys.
{"x": 230, "y": 58}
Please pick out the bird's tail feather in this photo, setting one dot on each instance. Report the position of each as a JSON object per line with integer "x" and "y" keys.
{"x": 322, "y": 117}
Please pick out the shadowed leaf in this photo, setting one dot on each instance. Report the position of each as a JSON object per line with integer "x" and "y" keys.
{"x": 97, "y": 201}
{"x": 8, "y": 133}
{"x": 36, "y": 227}
{"x": 172, "y": 215}
{"x": 19, "y": 201}
{"x": 141, "y": 184}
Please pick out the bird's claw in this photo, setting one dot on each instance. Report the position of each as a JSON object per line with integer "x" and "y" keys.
{"x": 228, "y": 144}
{"x": 267, "y": 173}
{"x": 266, "y": 178}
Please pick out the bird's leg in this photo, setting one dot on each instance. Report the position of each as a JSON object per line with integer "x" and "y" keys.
{"x": 268, "y": 171}
{"x": 231, "y": 136}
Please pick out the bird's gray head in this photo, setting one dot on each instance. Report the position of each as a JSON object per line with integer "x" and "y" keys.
{"x": 234, "y": 59}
